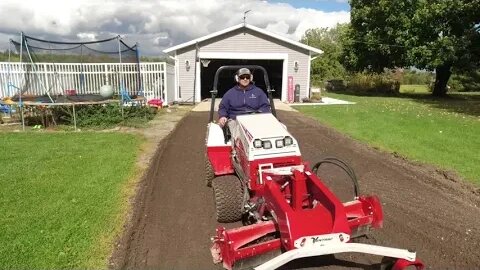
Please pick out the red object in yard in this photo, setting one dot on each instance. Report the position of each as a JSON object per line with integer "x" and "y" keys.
{"x": 70, "y": 92}
{"x": 155, "y": 103}
{"x": 290, "y": 94}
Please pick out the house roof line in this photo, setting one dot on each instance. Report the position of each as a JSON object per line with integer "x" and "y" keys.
{"x": 238, "y": 26}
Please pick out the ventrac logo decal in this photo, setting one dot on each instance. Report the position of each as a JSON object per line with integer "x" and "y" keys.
{"x": 318, "y": 239}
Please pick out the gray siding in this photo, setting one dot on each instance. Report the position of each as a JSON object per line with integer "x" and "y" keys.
{"x": 244, "y": 41}
{"x": 186, "y": 78}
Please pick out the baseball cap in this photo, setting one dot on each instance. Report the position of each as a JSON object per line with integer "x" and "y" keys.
{"x": 244, "y": 71}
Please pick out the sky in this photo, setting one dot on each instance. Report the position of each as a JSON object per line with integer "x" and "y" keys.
{"x": 159, "y": 24}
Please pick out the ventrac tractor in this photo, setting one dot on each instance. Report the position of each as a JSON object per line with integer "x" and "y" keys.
{"x": 260, "y": 178}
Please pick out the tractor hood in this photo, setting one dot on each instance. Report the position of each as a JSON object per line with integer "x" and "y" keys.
{"x": 266, "y": 137}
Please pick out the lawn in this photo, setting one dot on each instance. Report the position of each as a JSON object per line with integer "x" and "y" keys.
{"x": 414, "y": 88}
{"x": 442, "y": 132}
{"x": 63, "y": 197}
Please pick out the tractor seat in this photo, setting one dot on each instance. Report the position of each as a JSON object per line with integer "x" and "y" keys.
{"x": 226, "y": 133}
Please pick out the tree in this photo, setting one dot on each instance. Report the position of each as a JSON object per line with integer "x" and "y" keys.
{"x": 327, "y": 65}
{"x": 440, "y": 35}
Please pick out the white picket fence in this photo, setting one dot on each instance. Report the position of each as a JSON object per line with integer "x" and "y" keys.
{"x": 156, "y": 78}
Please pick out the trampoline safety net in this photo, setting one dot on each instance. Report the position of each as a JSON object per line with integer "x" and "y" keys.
{"x": 57, "y": 68}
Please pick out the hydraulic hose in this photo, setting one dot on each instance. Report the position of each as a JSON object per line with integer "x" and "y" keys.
{"x": 344, "y": 166}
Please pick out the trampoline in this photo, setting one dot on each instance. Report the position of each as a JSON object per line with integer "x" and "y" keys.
{"x": 60, "y": 73}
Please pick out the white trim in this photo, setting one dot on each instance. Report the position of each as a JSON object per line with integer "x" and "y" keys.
{"x": 198, "y": 84}
{"x": 177, "y": 78}
{"x": 309, "y": 88}
{"x": 285, "y": 80}
{"x": 256, "y": 56}
{"x": 233, "y": 55}
{"x": 248, "y": 26}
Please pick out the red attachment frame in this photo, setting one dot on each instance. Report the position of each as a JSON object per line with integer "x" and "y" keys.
{"x": 229, "y": 244}
{"x": 301, "y": 205}
{"x": 402, "y": 264}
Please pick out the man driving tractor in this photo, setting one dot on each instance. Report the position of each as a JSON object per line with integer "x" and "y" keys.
{"x": 243, "y": 98}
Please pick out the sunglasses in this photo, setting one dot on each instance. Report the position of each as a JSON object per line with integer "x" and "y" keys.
{"x": 243, "y": 77}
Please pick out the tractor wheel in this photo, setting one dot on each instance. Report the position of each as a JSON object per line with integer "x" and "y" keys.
{"x": 209, "y": 174}
{"x": 228, "y": 192}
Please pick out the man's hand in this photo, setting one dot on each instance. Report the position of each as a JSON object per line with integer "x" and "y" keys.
{"x": 222, "y": 121}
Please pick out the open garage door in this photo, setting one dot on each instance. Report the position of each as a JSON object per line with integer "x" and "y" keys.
{"x": 227, "y": 81}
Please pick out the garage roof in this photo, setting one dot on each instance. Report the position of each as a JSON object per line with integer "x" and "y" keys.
{"x": 238, "y": 26}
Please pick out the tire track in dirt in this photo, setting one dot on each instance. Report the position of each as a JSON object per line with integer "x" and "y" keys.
{"x": 423, "y": 210}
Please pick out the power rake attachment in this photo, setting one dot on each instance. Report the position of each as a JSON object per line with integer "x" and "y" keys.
{"x": 304, "y": 219}
{"x": 287, "y": 212}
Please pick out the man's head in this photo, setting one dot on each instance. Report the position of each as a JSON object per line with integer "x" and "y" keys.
{"x": 244, "y": 77}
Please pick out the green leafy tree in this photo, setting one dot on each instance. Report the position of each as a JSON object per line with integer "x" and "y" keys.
{"x": 440, "y": 35}
{"x": 327, "y": 65}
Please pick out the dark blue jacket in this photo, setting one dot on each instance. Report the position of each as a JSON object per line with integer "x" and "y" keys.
{"x": 238, "y": 101}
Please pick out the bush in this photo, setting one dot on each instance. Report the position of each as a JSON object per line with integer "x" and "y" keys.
{"x": 467, "y": 82}
{"x": 373, "y": 84}
{"x": 335, "y": 85}
{"x": 103, "y": 115}
{"x": 316, "y": 96}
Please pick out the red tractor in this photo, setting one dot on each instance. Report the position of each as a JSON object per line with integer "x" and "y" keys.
{"x": 259, "y": 178}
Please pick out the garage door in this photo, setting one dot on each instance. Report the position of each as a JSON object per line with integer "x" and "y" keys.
{"x": 226, "y": 78}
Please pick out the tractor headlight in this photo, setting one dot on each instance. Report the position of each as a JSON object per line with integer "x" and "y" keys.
{"x": 279, "y": 143}
{"x": 288, "y": 141}
{"x": 267, "y": 144}
{"x": 257, "y": 143}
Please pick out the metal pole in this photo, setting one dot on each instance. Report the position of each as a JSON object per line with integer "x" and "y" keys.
{"x": 9, "y": 75}
{"x": 74, "y": 117}
{"x": 9, "y": 66}
{"x": 23, "y": 119}
{"x": 140, "y": 79}
{"x": 121, "y": 76}
{"x": 20, "y": 90}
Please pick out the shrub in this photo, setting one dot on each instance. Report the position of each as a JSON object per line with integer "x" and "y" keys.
{"x": 373, "y": 84}
{"x": 103, "y": 115}
{"x": 335, "y": 85}
{"x": 467, "y": 82}
{"x": 315, "y": 96}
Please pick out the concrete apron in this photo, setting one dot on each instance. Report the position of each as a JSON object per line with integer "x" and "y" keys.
{"x": 204, "y": 106}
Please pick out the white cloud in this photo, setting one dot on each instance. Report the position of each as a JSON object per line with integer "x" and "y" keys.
{"x": 155, "y": 25}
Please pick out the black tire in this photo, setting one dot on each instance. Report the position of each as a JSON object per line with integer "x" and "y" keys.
{"x": 228, "y": 193}
{"x": 387, "y": 263}
{"x": 209, "y": 174}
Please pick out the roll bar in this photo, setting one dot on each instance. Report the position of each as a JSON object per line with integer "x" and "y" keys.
{"x": 214, "y": 92}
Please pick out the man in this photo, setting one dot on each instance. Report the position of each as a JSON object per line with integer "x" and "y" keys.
{"x": 243, "y": 98}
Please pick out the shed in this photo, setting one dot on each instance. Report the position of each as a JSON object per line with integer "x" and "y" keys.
{"x": 286, "y": 61}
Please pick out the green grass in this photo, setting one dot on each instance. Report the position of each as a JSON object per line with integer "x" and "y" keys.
{"x": 441, "y": 132}
{"x": 62, "y": 197}
{"x": 413, "y": 88}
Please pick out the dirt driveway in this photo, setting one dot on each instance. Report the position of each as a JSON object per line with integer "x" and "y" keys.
{"x": 425, "y": 209}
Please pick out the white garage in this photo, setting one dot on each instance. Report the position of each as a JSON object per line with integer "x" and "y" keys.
{"x": 286, "y": 61}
